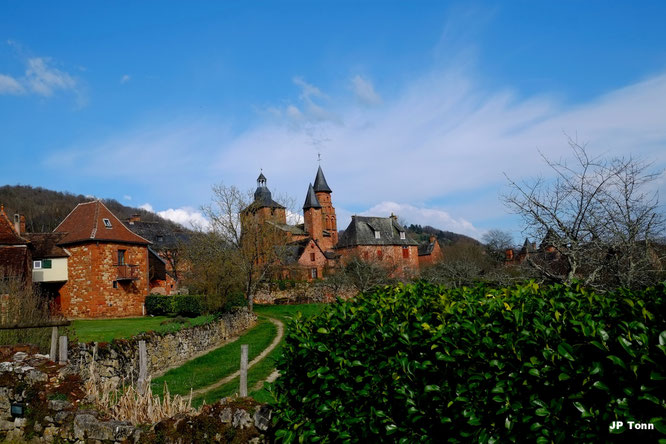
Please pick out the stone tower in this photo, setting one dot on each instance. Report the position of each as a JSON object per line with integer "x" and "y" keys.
{"x": 329, "y": 222}
{"x": 312, "y": 217}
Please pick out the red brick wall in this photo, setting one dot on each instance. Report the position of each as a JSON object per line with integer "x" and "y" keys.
{"x": 429, "y": 259}
{"x": 389, "y": 254}
{"x": 89, "y": 292}
{"x": 306, "y": 262}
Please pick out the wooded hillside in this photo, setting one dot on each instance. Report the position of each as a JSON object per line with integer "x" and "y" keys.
{"x": 45, "y": 209}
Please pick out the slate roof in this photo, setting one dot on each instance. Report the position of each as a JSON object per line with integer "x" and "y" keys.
{"x": 292, "y": 252}
{"x": 311, "y": 200}
{"x": 426, "y": 248}
{"x": 262, "y": 198}
{"x": 320, "y": 182}
{"x": 45, "y": 245}
{"x": 86, "y": 223}
{"x": 162, "y": 237}
{"x": 293, "y": 229}
{"x": 528, "y": 247}
{"x": 8, "y": 235}
{"x": 361, "y": 231}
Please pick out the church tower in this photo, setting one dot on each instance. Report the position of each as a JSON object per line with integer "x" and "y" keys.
{"x": 329, "y": 222}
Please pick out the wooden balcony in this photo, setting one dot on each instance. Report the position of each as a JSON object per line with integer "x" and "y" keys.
{"x": 127, "y": 272}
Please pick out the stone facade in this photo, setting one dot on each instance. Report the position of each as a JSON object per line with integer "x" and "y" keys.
{"x": 99, "y": 287}
{"x": 118, "y": 361}
{"x": 402, "y": 258}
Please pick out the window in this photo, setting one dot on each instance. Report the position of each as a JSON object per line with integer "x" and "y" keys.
{"x": 160, "y": 238}
{"x": 115, "y": 284}
{"x": 312, "y": 257}
{"x": 380, "y": 255}
{"x": 46, "y": 263}
{"x": 36, "y": 265}
{"x": 402, "y": 235}
{"x": 377, "y": 235}
{"x": 366, "y": 256}
{"x": 313, "y": 273}
{"x": 405, "y": 252}
{"x": 121, "y": 257}
{"x": 107, "y": 222}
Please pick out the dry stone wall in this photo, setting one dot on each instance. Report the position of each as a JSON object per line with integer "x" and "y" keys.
{"x": 118, "y": 361}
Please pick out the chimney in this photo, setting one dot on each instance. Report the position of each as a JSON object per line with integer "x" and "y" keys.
{"x": 17, "y": 224}
{"x": 509, "y": 254}
{"x": 22, "y": 224}
{"x": 432, "y": 239}
{"x": 394, "y": 217}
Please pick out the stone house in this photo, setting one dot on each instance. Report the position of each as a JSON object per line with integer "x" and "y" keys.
{"x": 107, "y": 267}
{"x": 380, "y": 239}
{"x": 15, "y": 250}
{"x": 429, "y": 252}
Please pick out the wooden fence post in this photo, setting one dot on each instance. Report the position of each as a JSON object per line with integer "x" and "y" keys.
{"x": 243, "y": 370}
{"x": 54, "y": 344}
{"x": 143, "y": 367}
{"x": 63, "y": 350}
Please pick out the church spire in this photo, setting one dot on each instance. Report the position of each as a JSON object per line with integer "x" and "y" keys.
{"x": 311, "y": 200}
{"x": 320, "y": 184}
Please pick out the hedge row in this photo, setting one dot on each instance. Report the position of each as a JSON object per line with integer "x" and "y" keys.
{"x": 423, "y": 363}
{"x": 180, "y": 304}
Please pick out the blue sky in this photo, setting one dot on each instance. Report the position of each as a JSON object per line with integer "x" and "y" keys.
{"x": 416, "y": 107}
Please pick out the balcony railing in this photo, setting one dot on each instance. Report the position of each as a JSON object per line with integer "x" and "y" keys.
{"x": 127, "y": 272}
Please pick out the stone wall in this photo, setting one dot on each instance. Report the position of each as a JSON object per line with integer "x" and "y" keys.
{"x": 118, "y": 361}
{"x": 54, "y": 410}
{"x": 302, "y": 293}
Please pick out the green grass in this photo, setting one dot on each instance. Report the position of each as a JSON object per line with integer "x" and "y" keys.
{"x": 265, "y": 367}
{"x": 211, "y": 367}
{"x": 105, "y": 330}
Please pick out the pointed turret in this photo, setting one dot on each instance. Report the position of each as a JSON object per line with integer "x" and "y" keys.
{"x": 320, "y": 184}
{"x": 311, "y": 200}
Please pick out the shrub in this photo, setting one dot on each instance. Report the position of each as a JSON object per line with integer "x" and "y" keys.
{"x": 158, "y": 305}
{"x": 180, "y": 304}
{"x": 426, "y": 363}
{"x": 187, "y": 305}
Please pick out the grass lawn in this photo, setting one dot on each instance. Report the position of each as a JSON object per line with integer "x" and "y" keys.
{"x": 264, "y": 368}
{"x": 105, "y": 330}
{"x": 211, "y": 367}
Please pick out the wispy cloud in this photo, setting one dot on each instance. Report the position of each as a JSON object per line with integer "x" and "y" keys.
{"x": 9, "y": 85}
{"x": 125, "y": 78}
{"x": 435, "y": 151}
{"x": 365, "y": 91}
{"x": 41, "y": 78}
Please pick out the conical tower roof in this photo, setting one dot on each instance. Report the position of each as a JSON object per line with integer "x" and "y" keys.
{"x": 320, "y": 184}
{"x": 311, "y": 200}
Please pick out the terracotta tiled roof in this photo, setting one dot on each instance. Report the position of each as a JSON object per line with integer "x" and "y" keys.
{"x": 45, "y": 245}
{"x": 8, "y": 235}
{"x": 93, "y": 221}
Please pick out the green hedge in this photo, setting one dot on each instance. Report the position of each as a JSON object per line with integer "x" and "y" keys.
{"x": 175, "y": 305}
{"x": 423, "y": 363}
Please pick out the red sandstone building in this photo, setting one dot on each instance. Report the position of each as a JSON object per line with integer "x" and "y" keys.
{"x": 107, "y": 265}
{"x": 313, "y": 246}
{"x": 15, "y": 251}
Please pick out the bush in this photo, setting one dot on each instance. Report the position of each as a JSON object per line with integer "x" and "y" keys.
{"x": 180, "y": 304}
{"x": 426, "y": 363}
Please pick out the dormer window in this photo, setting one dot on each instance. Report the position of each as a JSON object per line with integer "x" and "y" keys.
{"x": 402, "y": 235}
{"x": 107, "y": 222}
{"x": 377, "y": 235}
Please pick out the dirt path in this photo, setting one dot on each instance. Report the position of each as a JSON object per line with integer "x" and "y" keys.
{"x": 262, "y": 355}
{"x": 271, "y": 378}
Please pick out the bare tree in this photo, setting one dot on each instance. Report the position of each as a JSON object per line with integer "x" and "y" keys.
{"x": 598, "y": 219}
{"x": 363, "y": 274}
{"x": 497, "y": 242}
{"x": 463, "y": 263}
{"x": 254, "y": 245}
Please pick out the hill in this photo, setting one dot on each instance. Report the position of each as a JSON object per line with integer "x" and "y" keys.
{"x": 45, "y": 209}
{"x": 422, "y": 234}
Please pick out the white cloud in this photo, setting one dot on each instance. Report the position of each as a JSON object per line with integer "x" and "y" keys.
{"x": 9, "y": 85}
{"x": 147, "y": 207}
{"x": 127, "y": 197}
{"x": 365, "y": 91}
{"x": 125, "y": 78}
{"x": 424, "y": 216}
{"x": 44, "y": 79}
{"x": 187, "y": 217}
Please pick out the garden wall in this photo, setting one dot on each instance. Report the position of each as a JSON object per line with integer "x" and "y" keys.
{"x": 118, "y": 361}
{"x": 301, "y": 293}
